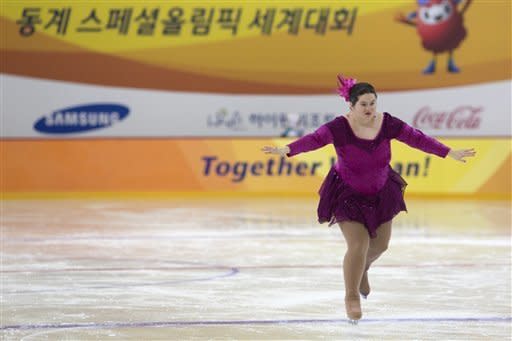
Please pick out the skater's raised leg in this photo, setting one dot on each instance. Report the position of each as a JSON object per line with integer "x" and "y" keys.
{"x": 377, "y": 247}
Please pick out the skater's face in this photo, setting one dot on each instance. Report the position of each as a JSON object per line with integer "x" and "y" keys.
{"x": 365, "y": 107}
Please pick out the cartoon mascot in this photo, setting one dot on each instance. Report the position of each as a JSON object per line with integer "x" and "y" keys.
{"x": 441, "y": 27}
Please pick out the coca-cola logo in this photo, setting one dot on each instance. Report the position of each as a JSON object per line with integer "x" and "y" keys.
{"x": 462, "y": 117}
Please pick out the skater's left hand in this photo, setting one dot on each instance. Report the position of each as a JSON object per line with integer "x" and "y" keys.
{"x": 460, "y": 154}
{"x": 276, "y": 150}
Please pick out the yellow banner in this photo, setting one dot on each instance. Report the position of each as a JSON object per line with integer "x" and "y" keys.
{"x": 230, "y": 166}
{"x": 285, "y": 47}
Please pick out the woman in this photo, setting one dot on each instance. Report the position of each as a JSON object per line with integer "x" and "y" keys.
{"x": 362, "y": 193}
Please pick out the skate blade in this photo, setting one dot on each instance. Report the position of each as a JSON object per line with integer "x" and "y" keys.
{"x": 353, "y": 322}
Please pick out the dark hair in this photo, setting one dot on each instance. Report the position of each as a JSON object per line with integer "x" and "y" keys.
{"x": 360, "y": 89}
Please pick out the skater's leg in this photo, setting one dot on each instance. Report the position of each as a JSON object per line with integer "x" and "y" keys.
{"x": 379, "y": 244}
{"x": 357, "y": 239}
{"x": 377, "y": 247}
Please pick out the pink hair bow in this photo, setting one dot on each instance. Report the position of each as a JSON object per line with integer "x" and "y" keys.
{"x": 344, "y": 86}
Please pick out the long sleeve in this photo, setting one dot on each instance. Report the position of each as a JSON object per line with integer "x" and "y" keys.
{"x": 417, "y": 139}
{"x": 319, "y": 138}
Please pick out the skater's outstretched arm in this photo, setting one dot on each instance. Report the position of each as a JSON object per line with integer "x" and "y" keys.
{"x": 417, "y": 139}
{"x": 319, "y": 138}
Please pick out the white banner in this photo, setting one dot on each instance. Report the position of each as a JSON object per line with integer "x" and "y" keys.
{"x": 34, "y": 108}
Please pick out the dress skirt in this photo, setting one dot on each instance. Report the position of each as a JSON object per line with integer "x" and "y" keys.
{"x": 339, "y": 202}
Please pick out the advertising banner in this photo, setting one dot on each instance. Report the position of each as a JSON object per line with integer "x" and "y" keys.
{"x": 180, "y": 96}
{"x": 85, "y": 111}
{"x": 233, "y": 166}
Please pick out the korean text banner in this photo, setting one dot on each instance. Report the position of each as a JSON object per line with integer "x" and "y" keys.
{"x": 102, "y": 80}
{"x": 249, "y": 47}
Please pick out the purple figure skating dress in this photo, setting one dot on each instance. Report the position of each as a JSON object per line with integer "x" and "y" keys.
{"x": 362, "y": 186}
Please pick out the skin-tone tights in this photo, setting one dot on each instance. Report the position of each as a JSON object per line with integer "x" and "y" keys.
{"x": 362, "y": 251}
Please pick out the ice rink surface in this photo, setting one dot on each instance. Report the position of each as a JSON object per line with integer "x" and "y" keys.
{"x": 247, "y": 269}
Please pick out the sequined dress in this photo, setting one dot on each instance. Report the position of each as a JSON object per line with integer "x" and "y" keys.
{"x": 362, "y": 186}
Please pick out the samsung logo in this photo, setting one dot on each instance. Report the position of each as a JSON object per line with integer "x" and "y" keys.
{"x": 81, "y": 118}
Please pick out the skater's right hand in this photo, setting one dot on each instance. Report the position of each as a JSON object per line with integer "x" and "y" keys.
{"x": 276, "y": 150}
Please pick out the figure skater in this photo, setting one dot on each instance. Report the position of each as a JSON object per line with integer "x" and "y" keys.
{"x": 362, "y": 193}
